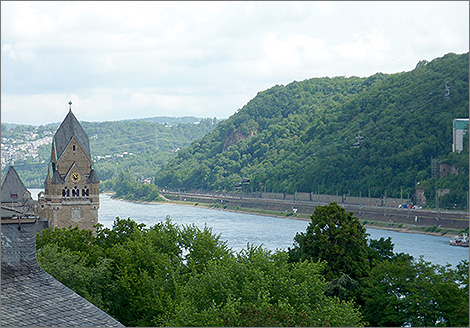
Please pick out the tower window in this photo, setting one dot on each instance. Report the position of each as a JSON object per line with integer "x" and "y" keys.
{"x": 73, "y": 147}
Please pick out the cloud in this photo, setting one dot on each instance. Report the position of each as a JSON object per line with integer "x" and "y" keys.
{"x": 108, "y": 104}
{"x": 370, "y": 45}
{"x": 40, "y": 108}
{"x": 293, "y": 49}
{"x": 209, "y": 58}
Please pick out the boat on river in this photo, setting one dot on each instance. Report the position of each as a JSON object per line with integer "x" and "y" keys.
{"x": 459, "y": 241}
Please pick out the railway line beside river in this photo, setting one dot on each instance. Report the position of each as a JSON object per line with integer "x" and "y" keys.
{"x": 452, "y": 220}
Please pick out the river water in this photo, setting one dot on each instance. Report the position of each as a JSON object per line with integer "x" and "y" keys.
{"x": 272, "y": 233}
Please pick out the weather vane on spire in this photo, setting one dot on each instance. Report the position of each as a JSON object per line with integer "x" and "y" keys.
{"x": 70, "y": 105}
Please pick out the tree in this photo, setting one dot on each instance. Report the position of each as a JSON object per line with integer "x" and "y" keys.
{"x": 336, "y": 237}
{"x": 403, "y": 292}
{"x": 122, "y": 230}
{"x": 73, "y": 239}
{"x": 258, "y": 288}
{"x": 127, "y": 188}
{"x": 300, "y": 136}
{"x": 166, "y": 275}
{"x": 90, "y": 279}
{"x": 381, "y": 249}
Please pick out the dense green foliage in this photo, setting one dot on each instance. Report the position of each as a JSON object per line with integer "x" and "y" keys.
{"x": 417, "y": 294}
{"x": 374, "y": 135}
{"x": 168, "y": 275}
{"x": 138, "y": 146}
{"x": 126, "y": 187}
{"x": 301, "y": 137}
{"x": 336, "y": 237}
{"x": 392, "y": 289}
{"x": 32, "y": 173}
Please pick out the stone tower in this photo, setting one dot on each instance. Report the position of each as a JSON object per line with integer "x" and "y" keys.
{"x": 71, "y": 196}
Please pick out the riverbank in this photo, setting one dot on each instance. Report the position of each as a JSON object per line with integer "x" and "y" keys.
{"x": 395, "y": 226}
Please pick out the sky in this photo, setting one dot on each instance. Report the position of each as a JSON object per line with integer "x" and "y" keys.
{"x": 122, "y": 60}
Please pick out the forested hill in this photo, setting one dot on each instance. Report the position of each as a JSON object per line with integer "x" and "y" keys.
{"x": 138, "y": 147}
{"x": 332, "y": 135}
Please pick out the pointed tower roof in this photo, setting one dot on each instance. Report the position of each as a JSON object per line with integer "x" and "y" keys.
{"x": 93, "y": 177}
{"x": 70, "y": 128}
{"x": 13, "y": 189}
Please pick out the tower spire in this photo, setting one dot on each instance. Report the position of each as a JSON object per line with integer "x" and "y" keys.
{"x": 70, "y": 106}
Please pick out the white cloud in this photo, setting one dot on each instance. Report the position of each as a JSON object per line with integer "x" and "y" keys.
{"x": 293, "y": 49}
{"x": 40, "y": 108}
{"x": 210, "y": 58}
{"x": 7, "y": 50}
{"x": 370, "y": 45}
{"x": 325, "y": 7}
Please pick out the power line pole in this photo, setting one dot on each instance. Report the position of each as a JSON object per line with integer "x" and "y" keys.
{"x": 156, "y": 139}
{"x": 385, "y": 203}
{"x": 434, "y": 168}
{"x": 468, "y": 200}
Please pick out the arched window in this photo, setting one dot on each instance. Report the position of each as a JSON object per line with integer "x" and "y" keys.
{"x": 75, "y": 192}
{"x": 85, "y": 191}
{"x": 65, "y": 192}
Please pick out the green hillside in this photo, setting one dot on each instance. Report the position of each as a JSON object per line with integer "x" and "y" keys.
{"x": 139, "y": 147}
{"x": 328, "y": 135}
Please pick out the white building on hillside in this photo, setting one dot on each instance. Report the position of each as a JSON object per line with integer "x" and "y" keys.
{"x": 459, "y": 129}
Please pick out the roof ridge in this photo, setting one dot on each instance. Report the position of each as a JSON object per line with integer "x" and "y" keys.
{"x": 69, "y": 128}
{"x": 12, "y": 184}
{"x": 31, "y": 297}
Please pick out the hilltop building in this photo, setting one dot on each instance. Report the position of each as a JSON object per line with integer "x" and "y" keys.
{"x": 71, "y": 196}
{"x": 17, "y": 204}
{"x": 30, "y": 296}
{"x": 33, "y": 298}
{"x": 459, "y": 129}
{"x": 16, "y": 199}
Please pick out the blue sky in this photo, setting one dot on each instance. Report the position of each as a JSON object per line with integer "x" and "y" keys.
{"x": 120, "y": 60}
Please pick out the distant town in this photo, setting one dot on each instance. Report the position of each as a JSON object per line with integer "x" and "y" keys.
{"x": 27, "y": 147}
{"x": 24, "y": 147}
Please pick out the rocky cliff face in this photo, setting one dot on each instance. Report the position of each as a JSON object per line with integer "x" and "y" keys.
{"x": 234, "y": 138}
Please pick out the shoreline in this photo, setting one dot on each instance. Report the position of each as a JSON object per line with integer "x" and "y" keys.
{"x": 302, "y": 217}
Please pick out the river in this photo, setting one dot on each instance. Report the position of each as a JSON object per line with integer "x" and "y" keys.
{"x": 272, "y": 233}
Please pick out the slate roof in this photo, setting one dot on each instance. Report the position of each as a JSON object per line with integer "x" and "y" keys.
{"x": 12, "y": 185}
{"x": 70, "y": 128}
{"x": 56, "y": 178}
{"x": 16, "y": 198}
{"x": 33, "y": 298}
{"x": 93, "y": 177}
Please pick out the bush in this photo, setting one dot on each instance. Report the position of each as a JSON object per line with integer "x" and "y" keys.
{"x": 168, "y": 275}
